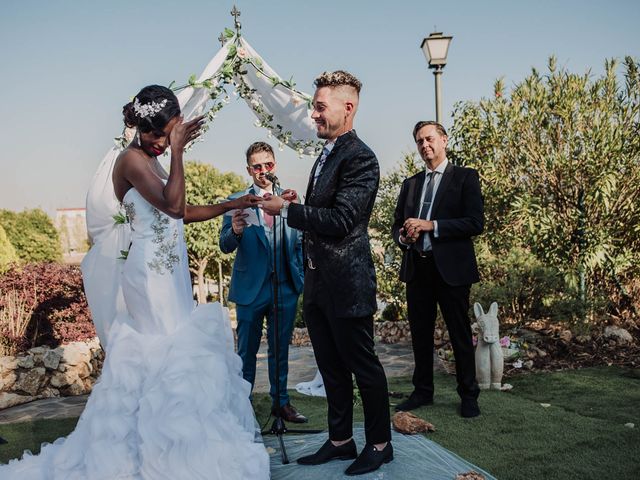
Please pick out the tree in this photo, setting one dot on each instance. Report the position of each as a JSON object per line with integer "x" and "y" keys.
{"x": 387, "y": 257}
{"x": 204, "y": 185}
{"x": 559, "y": 161}
{"x": 8, "y": 254}
{"x": 32, "y": 234}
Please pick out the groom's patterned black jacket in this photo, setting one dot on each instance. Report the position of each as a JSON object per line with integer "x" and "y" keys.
{"x": 335, "y": 219}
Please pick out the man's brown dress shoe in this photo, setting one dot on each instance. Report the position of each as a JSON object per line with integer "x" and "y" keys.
{"x": 289, "y": 414}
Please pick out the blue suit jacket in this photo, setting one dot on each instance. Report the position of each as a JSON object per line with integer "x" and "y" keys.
{"x": 253, "y": 262}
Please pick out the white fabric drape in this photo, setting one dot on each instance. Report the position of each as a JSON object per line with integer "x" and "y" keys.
{"x": 288, "y": 108}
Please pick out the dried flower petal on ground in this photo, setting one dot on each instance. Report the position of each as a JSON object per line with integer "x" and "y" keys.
{"x": 472, "y": 475}
{"x": 408, "y": 423}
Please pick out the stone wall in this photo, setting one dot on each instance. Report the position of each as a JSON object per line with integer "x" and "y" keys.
{"x": 385, "y": 332}
{"x": 42, "y": 372}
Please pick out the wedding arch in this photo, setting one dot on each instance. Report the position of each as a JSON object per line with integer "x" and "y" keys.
{"x": 236, "y": 69}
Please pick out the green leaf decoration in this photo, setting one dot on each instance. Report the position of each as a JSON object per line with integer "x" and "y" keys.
{"x": 120, "y": 218}
{"x": 123, "y": 254}
{"x": 192, "y": 80}
{"x": 228, "y": 33}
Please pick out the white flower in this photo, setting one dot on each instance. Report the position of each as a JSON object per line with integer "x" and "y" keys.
{"x": 296, "y": 100}
{"x": 255, "y": 103}
{"x": 242, "y": 53}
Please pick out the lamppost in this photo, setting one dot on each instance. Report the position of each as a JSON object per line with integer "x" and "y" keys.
{"x": 435, "y": 48}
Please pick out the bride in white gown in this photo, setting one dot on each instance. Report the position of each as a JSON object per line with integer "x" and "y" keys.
{"x": 171, "y": 402}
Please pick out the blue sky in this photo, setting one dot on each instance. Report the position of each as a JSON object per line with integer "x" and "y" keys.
{"x": 67, "y": 67}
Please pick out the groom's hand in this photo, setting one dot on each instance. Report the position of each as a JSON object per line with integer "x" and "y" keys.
{"x": 272, "y": 204}
{"x": 290, "y": 195}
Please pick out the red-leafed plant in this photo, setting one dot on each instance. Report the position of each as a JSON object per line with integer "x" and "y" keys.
{"x": 54, "y": 295}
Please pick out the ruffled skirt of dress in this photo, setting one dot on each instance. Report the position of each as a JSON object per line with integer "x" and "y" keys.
{"x": 165, "y": 407}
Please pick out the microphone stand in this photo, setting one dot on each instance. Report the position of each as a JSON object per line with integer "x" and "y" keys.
{"x": 279, "y": 428}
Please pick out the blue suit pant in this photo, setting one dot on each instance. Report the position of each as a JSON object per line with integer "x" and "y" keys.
{"x": 249, "y": 331}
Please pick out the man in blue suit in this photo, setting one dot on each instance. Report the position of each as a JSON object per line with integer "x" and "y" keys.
{"x": 252, "y": 279}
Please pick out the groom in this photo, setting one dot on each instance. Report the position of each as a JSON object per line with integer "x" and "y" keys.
{"x": 340, "y": 281}
{"x": 252, "y": 280}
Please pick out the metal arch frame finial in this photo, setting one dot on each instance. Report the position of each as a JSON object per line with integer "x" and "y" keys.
{"x": 221, "y": 39}
{"x": 235, "y": 13}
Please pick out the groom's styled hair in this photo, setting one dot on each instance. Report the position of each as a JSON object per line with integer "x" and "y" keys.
{"x": 257, "y": 147}
{"x": 339, "y": 78}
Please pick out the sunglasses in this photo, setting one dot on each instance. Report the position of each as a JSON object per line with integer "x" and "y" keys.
{"x": 267, "y": 166}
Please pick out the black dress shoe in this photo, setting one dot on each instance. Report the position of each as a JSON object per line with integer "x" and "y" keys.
{"x": 414, "y": 401}
{"x": 370, "y": 459}
{"x": 329, "y": 452}
{"x": 469, "y": 408}
{"x": 289, "y": 414}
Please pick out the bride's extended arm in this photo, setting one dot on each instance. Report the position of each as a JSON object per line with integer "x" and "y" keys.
{"x": 200, "y": 213}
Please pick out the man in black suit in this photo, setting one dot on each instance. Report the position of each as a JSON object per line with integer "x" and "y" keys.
{"x": 340, "y": 280}
{"x": 439, "y": 210}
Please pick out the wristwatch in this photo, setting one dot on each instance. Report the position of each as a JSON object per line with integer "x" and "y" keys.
{"x": 284, "y": 209}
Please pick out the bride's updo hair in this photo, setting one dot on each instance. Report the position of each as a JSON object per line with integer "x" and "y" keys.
{"x": 152, "y": 108}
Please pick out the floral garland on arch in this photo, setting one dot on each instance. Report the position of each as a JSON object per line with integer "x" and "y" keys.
{"x": 279, "y": 107}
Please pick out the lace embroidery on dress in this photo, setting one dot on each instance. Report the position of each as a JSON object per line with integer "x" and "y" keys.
{"x": 166, "y": 258}
{"x": 130, "y": 212}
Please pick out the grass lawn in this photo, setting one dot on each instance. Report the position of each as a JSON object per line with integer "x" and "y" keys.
{"x": 580, "y": 435}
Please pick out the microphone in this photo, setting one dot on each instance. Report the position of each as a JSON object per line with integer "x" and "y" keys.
{"x": 272, "y": 178}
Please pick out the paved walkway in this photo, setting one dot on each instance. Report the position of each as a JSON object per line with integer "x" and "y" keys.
{"x": 397, "y": 360}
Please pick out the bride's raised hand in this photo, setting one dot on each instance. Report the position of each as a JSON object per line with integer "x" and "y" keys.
{"x": 246, "y": 201}
{"x": 183, "y": 133}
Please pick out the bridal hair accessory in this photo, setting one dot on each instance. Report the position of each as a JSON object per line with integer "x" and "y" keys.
{"x": 148, "y": 109}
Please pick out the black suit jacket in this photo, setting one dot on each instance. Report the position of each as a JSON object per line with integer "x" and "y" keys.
{"x": 335, "y": 219}
{"x": 459, "y": 210}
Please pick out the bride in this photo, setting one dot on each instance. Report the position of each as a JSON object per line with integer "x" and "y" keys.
{"x": 171, "y": 402}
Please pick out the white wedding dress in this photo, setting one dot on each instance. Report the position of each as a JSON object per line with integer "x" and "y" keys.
{"x": 171, "y": 402}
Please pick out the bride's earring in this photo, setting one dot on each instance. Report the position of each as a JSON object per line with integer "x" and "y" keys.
{"x": 137, "y": 137}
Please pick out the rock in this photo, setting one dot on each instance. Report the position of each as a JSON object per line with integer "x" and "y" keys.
{"x": 49, "y": 392}
{"x": 76, "y": 353}
{"x": 541, "y": 353}
{"x": 51, "y": 359}
{"x": 82, "y": 370}
{"x": 62, "y": 379}
{"x": 528, "y": 364}
{"x": 528, "y": 336}
{"x": 26, "y": 362}
{"x": 7, "y": 380}
{"x": 620, "y": 335}
{"x": 8, "y": 364}
{"x": 37, "y": 353}
{"x": 31, "y": 381}
{"x": 566, "y": 336}
{"x": 12, "y": 399}
{"x": 75, "y": 389}
{"x": 582, "y": 339}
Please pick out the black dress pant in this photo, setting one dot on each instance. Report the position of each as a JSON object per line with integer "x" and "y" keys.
{"x": 425, "y": 292}
{"x": 342, "y": 347}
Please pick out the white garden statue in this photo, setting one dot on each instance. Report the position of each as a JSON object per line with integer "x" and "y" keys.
{"x": 489, "y": 359}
